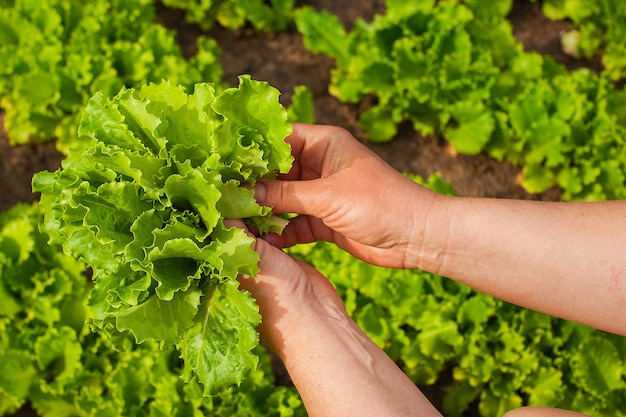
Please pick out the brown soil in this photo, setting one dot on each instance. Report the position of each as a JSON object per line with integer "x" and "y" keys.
{"x": 17, "y": 166}
{"x": 282, "y": 60}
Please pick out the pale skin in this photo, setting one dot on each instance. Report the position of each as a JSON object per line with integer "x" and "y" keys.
{"x": 564, "y": 259}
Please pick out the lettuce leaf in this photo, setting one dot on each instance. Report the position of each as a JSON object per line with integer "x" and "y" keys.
{"x": 143, "y": 203}
{"x": 301, "y": 108}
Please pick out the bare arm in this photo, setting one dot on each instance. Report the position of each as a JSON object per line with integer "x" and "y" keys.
{"x": 542, "y": 412}
{"x": 564, "y": 259}
{"x": 336, "y": 368}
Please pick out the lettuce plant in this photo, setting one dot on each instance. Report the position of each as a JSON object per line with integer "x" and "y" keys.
{"x": 598, "y": 29}
{"x": 454, "y": 68}
{"x": 42, "y": 308}
{"x": 267, "y": 16}
{"x": 56, "y": 54}
{"x": 143, "y": 203}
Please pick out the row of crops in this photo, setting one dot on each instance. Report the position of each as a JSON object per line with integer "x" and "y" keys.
{"x": 451, "y": 68}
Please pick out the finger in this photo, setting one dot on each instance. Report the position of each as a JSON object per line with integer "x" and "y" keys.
{"x": 309, "y": 147}
{"x": 306, "y": 229}
{"x": 302, "y": 197}
{"x": 277, "y": 271}
{"x": 300, "y": 230}
{"x": 302, "y": 142}
{"x": 304, "y": 137}
{"x": 237, "y": 223}
{"x": 272, "y": 260}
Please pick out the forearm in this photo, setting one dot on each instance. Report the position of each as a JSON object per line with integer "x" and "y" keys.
{"x": 339, "y": 371}
{"x": 565, "y": 259}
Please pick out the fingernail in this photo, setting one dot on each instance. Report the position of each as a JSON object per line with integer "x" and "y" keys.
{"x": 260, "y": 192}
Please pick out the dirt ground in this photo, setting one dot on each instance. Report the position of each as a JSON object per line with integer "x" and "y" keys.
{"x": 282, "y": 60}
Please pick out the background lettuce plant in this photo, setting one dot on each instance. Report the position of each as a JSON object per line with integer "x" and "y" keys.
{"x": 597, "y": 30}
{"x": 56, "y": 54}
{"x": 267, "y": 16}
{"x": 455, "y": 69}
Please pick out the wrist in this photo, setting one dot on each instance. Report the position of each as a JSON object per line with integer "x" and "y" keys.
{"x": 431, "y": 233}
{"x": 303, "y": 323}
{"x": 324, "y": 351}
{"x": 293, "y": 300}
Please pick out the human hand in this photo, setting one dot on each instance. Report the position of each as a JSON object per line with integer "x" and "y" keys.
{"x": 304, "y": 321}
{"x": 347, "y": 195}
{"x": 286, "y": 290}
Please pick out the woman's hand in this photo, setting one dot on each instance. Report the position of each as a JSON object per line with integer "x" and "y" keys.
{"x": 286, "y": 289}
{"x": 347, "y": 195}
{"x": 337, "y": 369}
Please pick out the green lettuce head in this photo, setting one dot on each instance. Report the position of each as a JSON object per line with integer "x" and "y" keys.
{"x": 143, "y": 202}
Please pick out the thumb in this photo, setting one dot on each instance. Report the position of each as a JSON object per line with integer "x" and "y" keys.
{"x": 301, "y": 197}
{"x": 279, "y": 275}
{"x": 273, "y": 261}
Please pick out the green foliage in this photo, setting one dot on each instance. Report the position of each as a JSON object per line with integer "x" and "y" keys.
{"x": 599, "y": 30}
{"x": 455, "y": 69}
{"x": 569, "y": 131}
{"x": 49, "y": 357}
{"x": 301, "y": 109}
{"x": 42, "y": 294}
{"x": 56, "y": 54}
{"x": 420, "y": 62}
{"x": 500, "y": 356}
{"x": 267, "y": 16}
{"x": 143, "y": 203}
